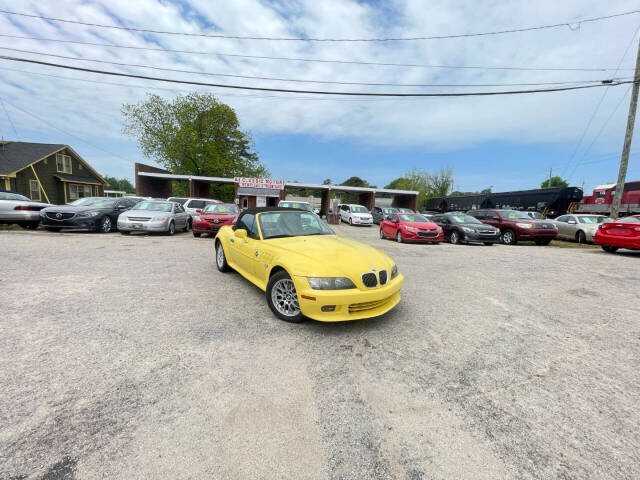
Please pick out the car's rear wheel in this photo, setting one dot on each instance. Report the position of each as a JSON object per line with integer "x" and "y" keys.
{"x": 610, "y": 249}
{"x": 399, "y": 237}
{"x": 105, "y": 225}
{"x": 581, "y": 237}
{"x": 542, "y": 241}
{"x": 221, "y": 259}
{"x": 172, "y": 228}
{"x": 509, "y": 237}
{"x": 454, "y": 238}
{"x": 283, "y": 298}
{"x": 197, "y": 235}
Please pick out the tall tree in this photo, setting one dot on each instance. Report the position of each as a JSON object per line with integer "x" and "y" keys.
{"x": 120, "y": 184}
{"x": 555, "y": 182}
{"x": 192, "y": 134}
{"x": 356, "y": 182}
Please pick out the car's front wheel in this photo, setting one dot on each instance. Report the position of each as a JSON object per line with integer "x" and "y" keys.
{"x": 172, "y": 228}
{"x": 399, "y": 237}
{"x": 105, "y": 224}
{"x": 581, "y": 237}
{"x": 454, "y": 238}
{"x": 509, "y": 237}
{"x": 381, "y": 234}
{"x": 283, "y": 298}
{"x": 221, "y": 259}
{"x": 350, "y": 221}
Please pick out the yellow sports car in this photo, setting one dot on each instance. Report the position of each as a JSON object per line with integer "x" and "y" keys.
{"x": 307, "y": 270}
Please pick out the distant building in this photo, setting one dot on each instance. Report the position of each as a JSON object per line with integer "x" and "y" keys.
{"x": 51, "y": 173}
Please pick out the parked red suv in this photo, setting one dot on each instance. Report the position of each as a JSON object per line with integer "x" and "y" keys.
{"x": 214, "y": 216}
{"x": 515, "y": 225}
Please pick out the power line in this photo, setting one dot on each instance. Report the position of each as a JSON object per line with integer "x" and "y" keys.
{"x": 296, "y": 80}
{"x": 571, "y": 25}
{"x": 317, "y": 92}
{"x": 62, "y": 131}
{"x": 9, "y": 118}
{"x": 318, "y": 60}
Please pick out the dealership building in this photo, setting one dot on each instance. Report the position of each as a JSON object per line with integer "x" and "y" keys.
{"x": 262, "y": 192}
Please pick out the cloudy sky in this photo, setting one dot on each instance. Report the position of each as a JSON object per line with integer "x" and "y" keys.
{"x": 507, "y": 142}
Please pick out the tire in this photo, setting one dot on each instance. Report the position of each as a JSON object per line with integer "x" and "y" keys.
{"x": 454, "y": 238}
{"x": 52, "y": 229}
{"x": 282, "y": 298}
{"x": 221, "y": 259}
{"x": 399, "y": 238}
{"x": 610, "y": 249}
{"x": 382, "y": 237}
{"x": 187, "y": 227}
{"x": 488, "y": 244}
{"x": 105, "y": 225}
{"x": 29, "y": 225}
{"x": 509, "y": 237}
{"x": 542, "y": 241}
{"x": 197, "y": 235}
{"x": 172, "y": 228}
{"x": 581, "y": 237}
{"x": 350, "y": 221}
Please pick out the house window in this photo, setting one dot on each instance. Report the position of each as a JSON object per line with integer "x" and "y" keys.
{"x": 79, "y": 191}
{"x": 63, "y": 162}
{"x": 34, "y": 188}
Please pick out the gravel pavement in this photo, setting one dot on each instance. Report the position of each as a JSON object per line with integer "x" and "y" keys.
{"x": 132, "y": 357}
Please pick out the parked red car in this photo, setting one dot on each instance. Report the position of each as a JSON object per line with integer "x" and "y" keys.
{"x": 213, "y": 217}
{"x": 410, "y": 227}
{"x": 515, "y": 225}
{"x": 621, "y": 233}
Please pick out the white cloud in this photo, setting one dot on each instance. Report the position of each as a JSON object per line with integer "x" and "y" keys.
{"x": 91, "y": 111}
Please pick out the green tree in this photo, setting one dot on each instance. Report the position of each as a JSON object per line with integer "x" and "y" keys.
{"x": 554, "y": 182}
{"x": 326, "y": 181}
{"x": 356, "y": 182}
{"x": 193, "y": 134}
{"x": 428, "y": 185}
{"x": 399, "y": 183}
{"x": 122, "y": 184}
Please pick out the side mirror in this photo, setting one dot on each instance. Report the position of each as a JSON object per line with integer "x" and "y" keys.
{"x": 198, "y": 210}
{"x": 241, "y": 233}
{"x": 122, "y": 207}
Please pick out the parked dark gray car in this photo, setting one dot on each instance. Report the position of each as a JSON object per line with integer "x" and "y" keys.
{"x": 380, "y": 213}
{"x": 97, "y": 213}
{"x": 460, "y": 227}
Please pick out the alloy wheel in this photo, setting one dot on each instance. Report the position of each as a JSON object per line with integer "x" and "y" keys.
{"x": 399, "y": 237}
{"x": 285, "y": 298}
{"x": 381, "y": 234}
{"x": 220, "y": 256}
{"x": 105, "y": 226}
{"x": 453, "y": 238}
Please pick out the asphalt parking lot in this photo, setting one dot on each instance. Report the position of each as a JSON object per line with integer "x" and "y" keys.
{"x": 132, "y": 357}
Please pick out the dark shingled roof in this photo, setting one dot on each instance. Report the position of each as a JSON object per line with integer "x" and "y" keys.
{"x": 17, "y": 155}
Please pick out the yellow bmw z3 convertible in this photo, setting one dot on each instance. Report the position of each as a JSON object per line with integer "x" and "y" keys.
{"x": 305, "y": 269}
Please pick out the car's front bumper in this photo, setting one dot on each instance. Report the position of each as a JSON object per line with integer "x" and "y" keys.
{"x": 352, "y": 304}
{"x": 408, "y": 236}
{"x": 532, "y": 234}
{"x": 87, "y": 223}
{"x": 361, "y": 221}
{"x": 480, "y": 237}
{"x": 150, "y": 226}
{"x": 206, "y": 227}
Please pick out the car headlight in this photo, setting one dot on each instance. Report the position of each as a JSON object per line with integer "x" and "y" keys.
{"x": 411, "y": 229}
{"x": 394, "y": 272}
{"x": 524, "y": 225}
{"x": 197, "y": 218}
{"x": 94, "y": 213}
{"x": 159, "y": 219}
{"x": 468, "y": 229}
{"x": 330, "y": 283}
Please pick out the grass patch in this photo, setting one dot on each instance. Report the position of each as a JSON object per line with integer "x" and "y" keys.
{"x": 564, "y": 244}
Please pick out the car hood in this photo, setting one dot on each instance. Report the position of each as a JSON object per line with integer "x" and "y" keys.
{"x": 475, "y": 226}
{"x": 420, "y": 224}
{"x": 145, "y": 213}
{"x": 329, "y": 255}
{"x": 218, "y": 216}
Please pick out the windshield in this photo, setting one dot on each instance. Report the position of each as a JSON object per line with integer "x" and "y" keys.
{"x": 593, "y": 220}
{"x": 197, "y": 204}
{"x": 154, "y": 206}
{"x": 464, "y": 219}
{"x": 298, "y": 205}
{"x": 218, "y": 208}
{"x": 388, "y": 211}
{"x": 412, "y": 218}
{"x": 292, "y": 224}
{"x": 405, "y": 210}
{"x": 85, "y": 201}
{"x": 536, "y": 215}
{"x": 13, "y": 196}
{"x": 629, "y": 219}
{"x": 101, "y": 203}
{"x": 515, "y": 215}
{"x": 359, "y": 209}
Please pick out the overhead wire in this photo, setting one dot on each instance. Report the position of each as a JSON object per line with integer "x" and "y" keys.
{"x": 318, "y": 60}
{"x": 9, "y": 118}
{"x": 296, "y": 80}
{"x": 318, "y": 92}
{"x": 571, "y": 25}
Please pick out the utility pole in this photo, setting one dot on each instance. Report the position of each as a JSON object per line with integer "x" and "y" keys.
{"x": 550, "y": 174}
{"x": 626, "y": 149}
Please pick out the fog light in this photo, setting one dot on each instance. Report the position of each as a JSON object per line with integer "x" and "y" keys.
{"x": 328, "y": 308}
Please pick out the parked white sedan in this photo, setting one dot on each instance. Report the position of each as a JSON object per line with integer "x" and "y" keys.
{"x": 581, "y": 228}
{"x": 21, "y": 210}
{"x": 154, "y": 216}
{"x": 355, "y": 215}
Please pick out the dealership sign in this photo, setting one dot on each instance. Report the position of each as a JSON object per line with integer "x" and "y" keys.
{"x": 244, "y": 182}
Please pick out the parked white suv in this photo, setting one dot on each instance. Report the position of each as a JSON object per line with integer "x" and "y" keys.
{"x": 355, "y": 215}
{"x": 191, "y": 205}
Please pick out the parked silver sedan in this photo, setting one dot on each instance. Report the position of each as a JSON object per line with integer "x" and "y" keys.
{"x": 581, "y": 228}
{"x": 154, "y": 216}
{"x": 21, "y": 210}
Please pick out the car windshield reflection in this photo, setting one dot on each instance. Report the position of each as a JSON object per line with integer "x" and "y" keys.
{"x": 292, "y": 224}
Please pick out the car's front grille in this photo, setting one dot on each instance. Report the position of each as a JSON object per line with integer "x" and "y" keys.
{"x": 361, "y": 307}
{"x": 139, "y": 219}
{"x": 427, "y": 234}
{"x": 60, "y": 215}
{"x": 383, "y": 277}
{"x": 486, "y": 232}
{"x": 369, "y": 279}
{"x": 545, "y": 226}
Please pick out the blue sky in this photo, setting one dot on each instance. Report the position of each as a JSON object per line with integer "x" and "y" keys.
{"x": 504, "y": 142}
